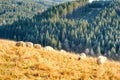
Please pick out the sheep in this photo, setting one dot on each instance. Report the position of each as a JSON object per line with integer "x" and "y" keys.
{"x": 29, "y": 44}
{"x": 48, "y": 48}
{"x": 101, "y": 59}
{"x": 62, "y": 51}
{"x": 20, "y": 43}
{"x": 82, "y": 56}
{"x": 37, "y": 46}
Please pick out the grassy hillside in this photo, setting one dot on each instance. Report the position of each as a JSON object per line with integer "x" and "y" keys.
{"x": 73, "y": 26}
{"x": 19, "y": 63}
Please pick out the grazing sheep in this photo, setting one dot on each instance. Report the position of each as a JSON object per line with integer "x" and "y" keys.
{"x": 29, "y": 44}
{"x": 101, "y": 60}
{"x": 21, "y": 43}
{"x": 48, "y": 48}
{"x": 82, "y": 56}
{"x": 37, "y": 46}
{"x": 62, "y": 51}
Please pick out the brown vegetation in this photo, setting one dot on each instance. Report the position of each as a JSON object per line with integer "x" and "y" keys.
{"x": 22, "y": 63}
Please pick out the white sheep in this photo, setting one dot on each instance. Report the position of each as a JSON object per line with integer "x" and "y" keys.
{"x": 29, "y": 44}
{"x": 62, "y": 51}
{"x": 82, "y": 56}
{"x": 101, "y": 59}
{"x": 49, "y": 48}
{"x": 20, "y": 43}
{"x": 37, "y": 46}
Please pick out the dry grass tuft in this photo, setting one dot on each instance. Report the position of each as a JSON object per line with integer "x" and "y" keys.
{"x": 23, "y": 63}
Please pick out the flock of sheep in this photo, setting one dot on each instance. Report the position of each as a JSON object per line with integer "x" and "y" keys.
{"x": 99, "y": 60}
{"x": 27, "y": 44}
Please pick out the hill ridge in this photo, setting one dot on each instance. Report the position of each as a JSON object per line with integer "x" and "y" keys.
{"x": 99, "y": 33}
{"x": 39, "y": 64}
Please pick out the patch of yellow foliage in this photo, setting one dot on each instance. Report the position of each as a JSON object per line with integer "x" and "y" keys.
{"x": 18, "y": 63}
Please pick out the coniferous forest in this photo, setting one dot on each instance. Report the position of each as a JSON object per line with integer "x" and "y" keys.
{"x": 73, "y": 26}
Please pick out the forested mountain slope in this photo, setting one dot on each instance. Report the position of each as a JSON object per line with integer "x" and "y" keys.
{"x": 73, "y": 26}
{"x": 51, "y": 2}
{"x": 12, "y": 10}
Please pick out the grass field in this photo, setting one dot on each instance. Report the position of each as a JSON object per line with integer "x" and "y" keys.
{"x": 21, "y": 63}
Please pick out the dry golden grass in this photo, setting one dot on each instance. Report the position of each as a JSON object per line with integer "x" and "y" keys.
{"x": 18, "y": 63}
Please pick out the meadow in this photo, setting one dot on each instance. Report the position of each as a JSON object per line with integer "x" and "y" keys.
{"x": 24, "y": 63}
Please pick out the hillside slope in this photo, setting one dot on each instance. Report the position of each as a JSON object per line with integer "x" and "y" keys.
{"x": 20, "y": 63}
{"x": 51, "y": 2}
{"x": 73, "y": 26}
{"x": 13, "y": 10}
